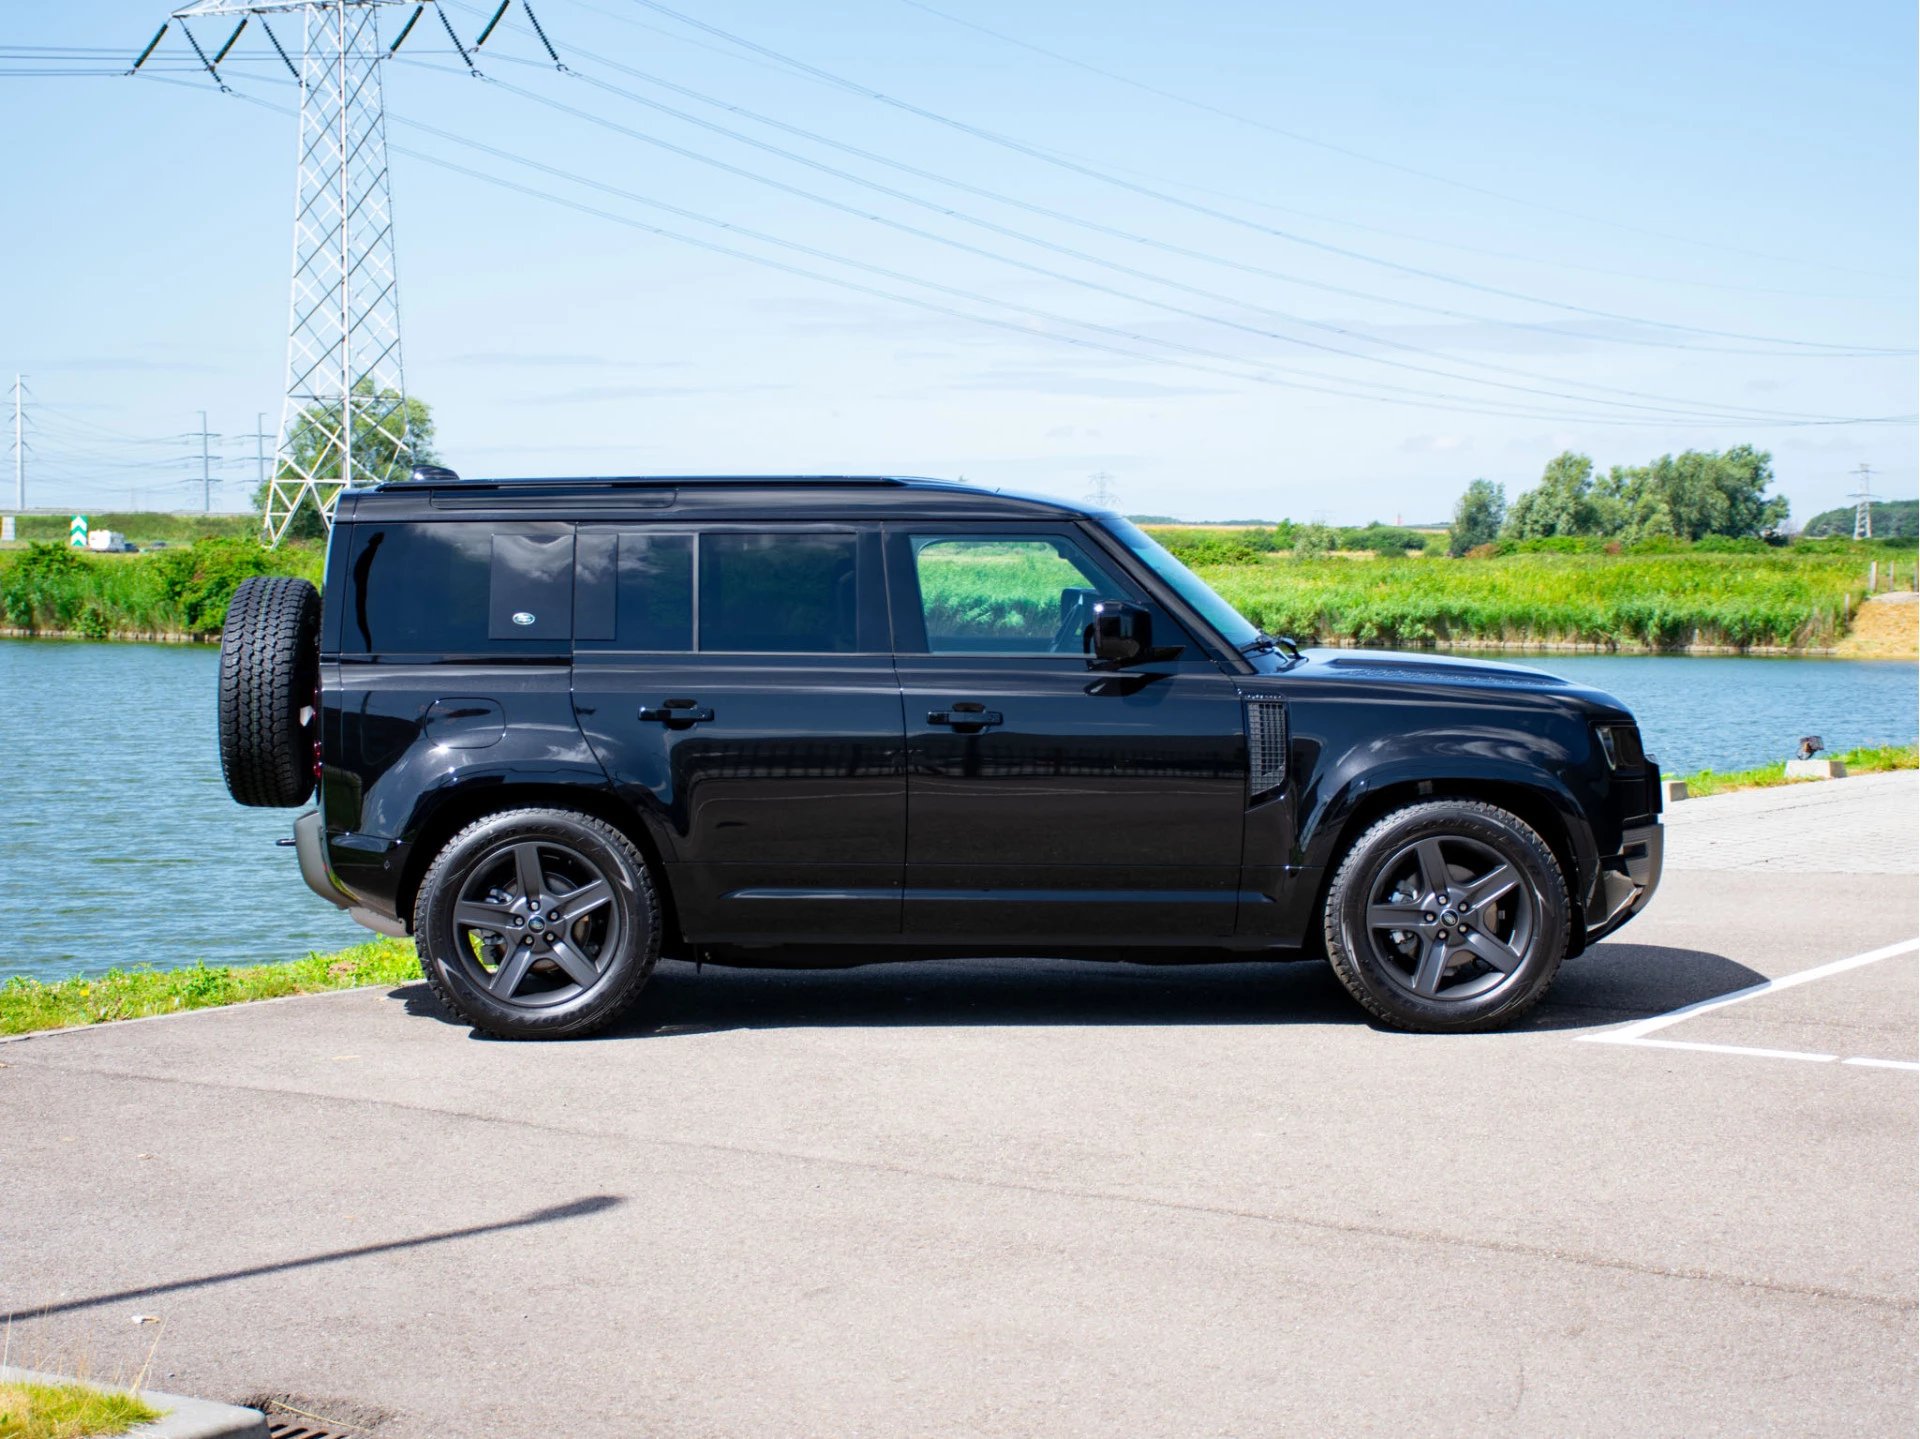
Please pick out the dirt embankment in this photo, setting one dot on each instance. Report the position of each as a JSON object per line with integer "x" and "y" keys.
{"x": 1887, "y": 627}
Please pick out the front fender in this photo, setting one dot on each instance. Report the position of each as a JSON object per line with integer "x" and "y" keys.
{"x": 1480, "y": 758}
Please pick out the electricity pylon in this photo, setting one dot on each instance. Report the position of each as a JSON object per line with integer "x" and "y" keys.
{"x": 1863, "y": 504}
{"x": 344, "y": 421}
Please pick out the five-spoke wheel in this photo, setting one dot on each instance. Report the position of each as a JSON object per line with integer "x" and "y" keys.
{"x": 537, "y": 923}
{"x": 1447, "y": 915}
{"x": 533, "y": 920}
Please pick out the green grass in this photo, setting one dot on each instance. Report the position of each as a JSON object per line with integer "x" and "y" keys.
{"x": 27, "y": 1005}
{"x": 1736, "y": 598}
{"x": 68, "y": 1411}
{"x": 1778, "y": 599}
{"x": 1793, "y": 598}
{"x": 994, "y": 590}
{"x": 143, "y": 527}
{"x": 1874, "y": 759}
{"x": 179, "y": 592}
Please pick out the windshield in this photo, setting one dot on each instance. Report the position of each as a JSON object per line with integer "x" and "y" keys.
{"x": 1214, "y": 610}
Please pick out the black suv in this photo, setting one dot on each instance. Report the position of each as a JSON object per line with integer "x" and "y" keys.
{"x": 564, "y": 727}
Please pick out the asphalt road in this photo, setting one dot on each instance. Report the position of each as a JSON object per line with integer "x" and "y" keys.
{"x": 1034, "y": 1199}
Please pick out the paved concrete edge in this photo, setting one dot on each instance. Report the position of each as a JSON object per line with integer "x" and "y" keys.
{"x": 185, "y": 1418}
{"x": 109, "y": 1025}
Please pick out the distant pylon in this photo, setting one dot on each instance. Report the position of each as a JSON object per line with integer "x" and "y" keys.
{"x": 1863, "y": 504}
{"x": 1102, "y": 493}
{"x": 344, "y": 421}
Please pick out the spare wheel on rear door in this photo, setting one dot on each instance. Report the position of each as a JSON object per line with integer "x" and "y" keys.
{"x": 269, "y": 691}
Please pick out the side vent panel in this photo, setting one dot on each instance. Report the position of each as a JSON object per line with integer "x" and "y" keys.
{"x": 1266, "y": 747}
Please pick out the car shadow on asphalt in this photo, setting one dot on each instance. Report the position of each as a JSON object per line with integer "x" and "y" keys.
{"x": 1612, "y": 984}
{"x": 1617, "y": 983}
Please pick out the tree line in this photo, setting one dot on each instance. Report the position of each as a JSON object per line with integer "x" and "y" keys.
{"x": 1688, "y": 496}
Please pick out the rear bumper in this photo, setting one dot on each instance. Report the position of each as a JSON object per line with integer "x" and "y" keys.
{"x": 1626, "y": 880}
{"x": 310, "y": 846}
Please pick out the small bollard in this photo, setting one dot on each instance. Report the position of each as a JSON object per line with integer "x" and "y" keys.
{"x": 1672, "y": 791}
{"x": 1816, "y": 769}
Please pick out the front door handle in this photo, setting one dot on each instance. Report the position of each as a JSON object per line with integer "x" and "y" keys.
{"x": 966, "y": 718}
{"x": 677, "y": 712}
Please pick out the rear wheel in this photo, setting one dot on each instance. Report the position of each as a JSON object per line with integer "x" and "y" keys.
{"x": 1448, "y": 916}
{"x": 537, "y": 924}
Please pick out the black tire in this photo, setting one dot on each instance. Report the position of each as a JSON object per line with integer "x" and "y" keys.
{"x": 482, "y": 874}
{"x": 1448, "y": 916}
{"x": 269, "y": 691}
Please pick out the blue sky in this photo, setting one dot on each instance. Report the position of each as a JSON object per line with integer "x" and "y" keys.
{"x": 1747, "y": 170}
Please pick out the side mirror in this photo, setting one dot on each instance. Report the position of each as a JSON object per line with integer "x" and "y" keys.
{"x": 1121, "y": 634}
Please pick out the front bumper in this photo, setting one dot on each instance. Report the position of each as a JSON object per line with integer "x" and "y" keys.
{"x": 1626, "y": 880}
{"x": 310, "y": 846}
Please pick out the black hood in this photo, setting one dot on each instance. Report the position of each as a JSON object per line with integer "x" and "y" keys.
{"x": 1390, "y": 667}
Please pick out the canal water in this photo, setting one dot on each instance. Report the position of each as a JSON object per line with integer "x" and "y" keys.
{"x": 119, "y": 846}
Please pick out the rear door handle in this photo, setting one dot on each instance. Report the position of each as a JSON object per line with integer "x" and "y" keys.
{"x": 677, "y": 712}
{"x": 964, "y": 719}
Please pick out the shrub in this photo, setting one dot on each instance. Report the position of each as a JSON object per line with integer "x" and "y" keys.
{"x": 1312, "y": 540}
{"x": 1210, "y": 547}
{"x": 199, "y": 580}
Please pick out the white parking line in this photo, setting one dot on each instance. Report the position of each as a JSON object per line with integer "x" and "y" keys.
{"x": 1637, "y": 1032}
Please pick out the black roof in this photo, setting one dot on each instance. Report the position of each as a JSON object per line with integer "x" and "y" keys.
{"x": 697, "y": 497}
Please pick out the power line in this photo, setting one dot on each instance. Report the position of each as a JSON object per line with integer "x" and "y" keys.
{"x": 1371, "y": 159}
{"x": 1393, "y": 393}
{"x": 1661, "y": 403}
{"x": 1093, "y": 172}
{"x": 1340, "y": 221}
{"x": 1461, "y": 404}
{"x": 1133, "y": 237}
{"x": 1265, "y": 204}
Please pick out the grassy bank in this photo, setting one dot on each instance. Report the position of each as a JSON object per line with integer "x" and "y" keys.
{"x": 1773, "y": 600}
{"x": 182, "y": 592}
{"x": 69, "y": 1411}
{"x": 1797, "y": 598}
{"x": 1874, "y": 759}
{"x": 143, "y": 527}
{"x": 28, "y": 1004}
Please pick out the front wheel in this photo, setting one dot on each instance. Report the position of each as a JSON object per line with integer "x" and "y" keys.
{"x": 1448, "y": 916}
{"x": 537, "y": 924}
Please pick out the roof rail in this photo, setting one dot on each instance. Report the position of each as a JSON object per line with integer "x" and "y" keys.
{"x": 448, "y": 479}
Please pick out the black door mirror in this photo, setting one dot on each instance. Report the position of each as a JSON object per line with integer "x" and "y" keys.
{"x": 1121, "y": 634}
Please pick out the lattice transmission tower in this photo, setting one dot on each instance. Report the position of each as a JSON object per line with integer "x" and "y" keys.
{"x": 1863, "y": 504}
{"x": 344, "y": 420}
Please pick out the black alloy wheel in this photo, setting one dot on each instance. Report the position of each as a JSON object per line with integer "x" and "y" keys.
{"x": 537, "y": 924}
{"x": 1450, "y": 919}
{"x": 533, "y": 920}
{"x": 1449, "y": 915}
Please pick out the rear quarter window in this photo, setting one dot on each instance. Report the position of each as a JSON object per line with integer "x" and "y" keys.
{"x": 458, "y": 589}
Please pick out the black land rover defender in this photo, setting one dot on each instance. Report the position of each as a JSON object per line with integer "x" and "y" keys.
{"x": 564, "y": 727}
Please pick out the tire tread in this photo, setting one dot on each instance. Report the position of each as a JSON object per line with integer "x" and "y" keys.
{"x": 535, "y": 1025}
{"x": 269, "y": 663}
{"x": 1344, "y": 965}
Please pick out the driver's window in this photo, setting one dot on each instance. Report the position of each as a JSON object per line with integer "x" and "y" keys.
{"x": 1013, "y": 596}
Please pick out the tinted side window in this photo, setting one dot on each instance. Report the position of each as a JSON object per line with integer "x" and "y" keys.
{"x": 1016, "y": 596}
{"x": 458, "y": 589}
{"x": 778, "y": 593}
{"x": 634, "y": 590}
